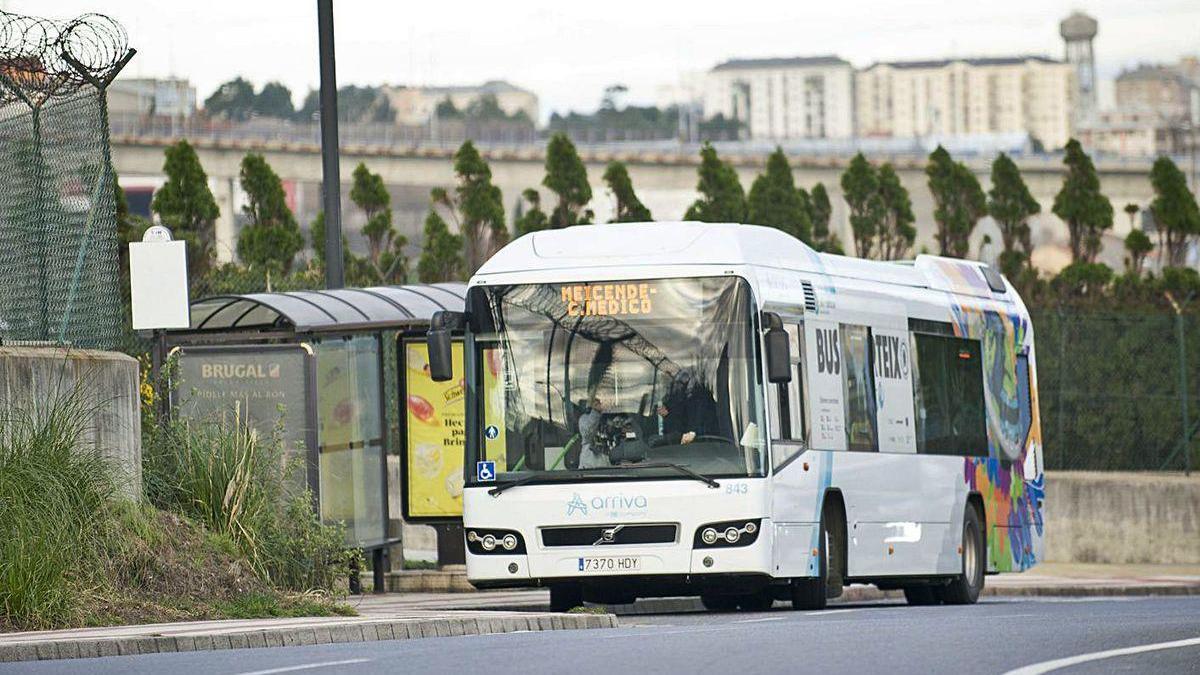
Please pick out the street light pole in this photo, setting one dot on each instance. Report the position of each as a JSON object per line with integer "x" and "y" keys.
{"x": 331, "y": 181}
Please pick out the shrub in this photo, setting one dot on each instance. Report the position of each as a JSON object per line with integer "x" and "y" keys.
{"x": 54, "y": 490}
{"x": 236, "y": 482}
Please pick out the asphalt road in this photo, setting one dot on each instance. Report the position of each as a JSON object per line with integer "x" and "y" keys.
{"x": 995, "y": 636}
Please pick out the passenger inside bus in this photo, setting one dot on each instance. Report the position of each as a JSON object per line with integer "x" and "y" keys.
{"x": 687, "y": 411}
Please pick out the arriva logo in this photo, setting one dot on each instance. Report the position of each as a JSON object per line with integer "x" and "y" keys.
{"x": 619, "y": 502}
{"x": 611, "y": 504}
{"x": 576, "y": 505}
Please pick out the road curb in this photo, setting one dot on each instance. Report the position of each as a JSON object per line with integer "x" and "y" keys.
{"x": 327, "y": 633}
{"x": 871, "y": 594}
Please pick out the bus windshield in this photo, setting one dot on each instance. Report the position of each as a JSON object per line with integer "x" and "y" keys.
{"x": 596, "y": 380}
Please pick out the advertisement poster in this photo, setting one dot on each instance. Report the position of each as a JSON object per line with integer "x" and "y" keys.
{"x": 267, "y": 386}
{"x": 824, "y": 347}
{"x": 435, "y": 424}
{"x": 893, "y": 391}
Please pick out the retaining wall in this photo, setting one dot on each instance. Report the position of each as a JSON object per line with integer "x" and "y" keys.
{"x": 1123, "y": 518}
{"x": 108, "y": 383}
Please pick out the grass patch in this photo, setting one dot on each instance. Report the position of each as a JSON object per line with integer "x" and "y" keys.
{"x": 238, "y": 483}
{"x": 232, "y": 543}
{"x": 588, "y": 609}
{"x": 261, "y": 605}
{"x": 420, "y": 564}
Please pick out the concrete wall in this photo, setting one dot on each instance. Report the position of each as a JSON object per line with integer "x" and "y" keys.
{"x": 1124, "y": 518}
{"x": 108, "y": 383}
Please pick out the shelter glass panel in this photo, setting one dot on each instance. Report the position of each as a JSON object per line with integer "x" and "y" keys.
{"x": 350, "y": 437}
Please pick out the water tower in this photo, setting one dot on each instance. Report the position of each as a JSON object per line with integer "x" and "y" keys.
{"x": 1078, "y": 31}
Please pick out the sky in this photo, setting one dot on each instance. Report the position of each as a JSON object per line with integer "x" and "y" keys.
{"x": 567, "y": 52}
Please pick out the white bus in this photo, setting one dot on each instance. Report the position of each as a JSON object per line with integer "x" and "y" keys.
{"x": 667, "y": 409}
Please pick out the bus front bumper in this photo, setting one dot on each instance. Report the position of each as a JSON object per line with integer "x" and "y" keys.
{"x": 542, "y": 566}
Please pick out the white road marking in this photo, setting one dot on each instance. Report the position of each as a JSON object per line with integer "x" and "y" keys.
{"x": 826, "y": 612}
{"x": 766, "y": 618}
{"x": 304, "y": 666}
{"x": 1047, "y": 666}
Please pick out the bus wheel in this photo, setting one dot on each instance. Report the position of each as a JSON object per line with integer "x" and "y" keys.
{"x": 811, "y": 593}
{"x": 719, "y": 603}
{"x": 921, "y": 595}
{"x": 964, "y": 588}
{"x": 565, "y": 597}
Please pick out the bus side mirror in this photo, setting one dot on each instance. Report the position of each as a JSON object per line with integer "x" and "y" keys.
{"x": 441, "y": 326}
{"x": 779, "y": 357}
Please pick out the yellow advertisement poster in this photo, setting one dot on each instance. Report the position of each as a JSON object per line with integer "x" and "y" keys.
{"x": 435, "y": 422}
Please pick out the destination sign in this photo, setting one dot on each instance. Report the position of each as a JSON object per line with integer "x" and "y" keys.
{"x": 614, "y": 299}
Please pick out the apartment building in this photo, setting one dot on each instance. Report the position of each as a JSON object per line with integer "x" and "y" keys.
{"x": 415, "y": 105}
{"x": 784, "y": 98}
{"x": 1028, "y": 94}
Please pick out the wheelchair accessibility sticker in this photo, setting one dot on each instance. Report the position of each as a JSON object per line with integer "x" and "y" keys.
{"x": 485, "y": 471}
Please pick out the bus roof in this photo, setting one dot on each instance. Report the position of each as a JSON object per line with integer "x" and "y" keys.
{"x": 694, "y": 243}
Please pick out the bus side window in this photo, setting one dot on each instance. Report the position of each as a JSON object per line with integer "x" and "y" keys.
{"x": 789, "y": 415}
{"x": 948, "y": 396}
{"x": 798, "y": 387}
{"x": 858, "y": 386}
{"x": 1024, "y": 401}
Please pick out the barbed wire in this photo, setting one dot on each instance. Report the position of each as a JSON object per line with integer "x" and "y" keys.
{"x": 43, "y": 58}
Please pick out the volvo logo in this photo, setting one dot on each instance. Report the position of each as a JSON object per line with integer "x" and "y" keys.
{"x": 607, "y": 535}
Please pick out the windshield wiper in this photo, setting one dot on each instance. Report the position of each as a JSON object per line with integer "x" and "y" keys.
{"x": 495, "y": 492}
{"x": 662, "y": 465}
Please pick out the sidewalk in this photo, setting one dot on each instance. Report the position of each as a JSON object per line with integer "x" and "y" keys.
{"x": 400, "y": 624}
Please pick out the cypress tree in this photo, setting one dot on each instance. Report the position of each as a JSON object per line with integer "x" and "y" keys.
{"x": 959, "y": 202}
{"x": 1174, "y": 208}
{"x": 1011, "y": 205}
{"x": 441, "y": 252}
{"x": 776, "y": 202}
{"x": 860, "y": 186}
{"x": 629, "y": 208}
{"x": 271, "y": 238}
{"x": 534, "y": 219}
{"x": 896, "y": 230}
{"x": 186, "y": 205}
{"x": 566, "y": 177}
{"x": 722, "y": 199}
{"x": 1080, "y": 204}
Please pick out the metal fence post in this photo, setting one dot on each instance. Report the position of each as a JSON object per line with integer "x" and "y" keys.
{"x": 1185, "y": 432}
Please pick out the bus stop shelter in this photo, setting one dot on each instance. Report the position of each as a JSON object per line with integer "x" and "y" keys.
{"x": 315, "y": 367}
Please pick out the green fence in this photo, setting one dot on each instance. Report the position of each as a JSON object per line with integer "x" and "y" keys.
{"x": 58, "y": 241}
{"x": 59, "y": 254}
{"x": 1110, "y": 389}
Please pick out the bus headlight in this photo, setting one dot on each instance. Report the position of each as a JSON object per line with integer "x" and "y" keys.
{"x": 494, "y": 542}
{"x": 727, "y": 533}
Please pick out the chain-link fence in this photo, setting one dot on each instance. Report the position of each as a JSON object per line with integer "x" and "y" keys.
{"x": 1112, "y": 389}
{"x": 58, "y": 240}
{"x": 59, "y": 254}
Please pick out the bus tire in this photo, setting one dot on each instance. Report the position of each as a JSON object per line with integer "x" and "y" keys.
{"x": 811, "y": 593}
{"x": 719, "y": 603}
{"x": 964, "y": 588}
{"x": 565, "y": 597}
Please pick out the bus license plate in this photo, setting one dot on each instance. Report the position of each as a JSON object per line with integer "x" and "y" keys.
{"x": 627, "y": 563}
